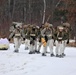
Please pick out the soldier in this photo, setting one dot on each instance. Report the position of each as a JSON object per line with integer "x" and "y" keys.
{"x": 37, "y": 42}
{"x": 59, "y": 41}
{"x": 27, "y": 31}
{"x": 17, "y": 34}
{"x": 67, "y": 30}
{"x": 33, "y": 36}
{"x": 47, "y": 34}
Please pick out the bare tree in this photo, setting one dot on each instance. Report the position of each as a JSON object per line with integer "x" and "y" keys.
{"x": 24, "y": 11}
{"x": 58, "y": 3}
{"x": 44, "y": 11}
{"x": 30, "y": 11}
{"x": 13, "y": 8}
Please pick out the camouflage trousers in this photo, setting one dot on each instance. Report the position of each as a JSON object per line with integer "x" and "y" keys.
{"x": 17, "y": 43}
{"x": 50, "y": 45}
{"x": 60, "y": 46}
{"x": 37, "y": 45}
{"x": 27, "y": 43}
{"x": 64, "y": 45}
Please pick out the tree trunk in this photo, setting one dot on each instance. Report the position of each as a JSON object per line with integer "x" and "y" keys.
{"x": 13, "y": 9}
{"x": 43, "y": 21}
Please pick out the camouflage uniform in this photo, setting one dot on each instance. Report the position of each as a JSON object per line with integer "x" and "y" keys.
{"x": 37, "y": 42}
{"x": 27, "y": 36}
{"x": 17, "y": 34}
{"x": 47, "y": 33}
{"x": 33, "y": 36}
{"x": 59, "y": 41}
{"x": 67, "y": 30}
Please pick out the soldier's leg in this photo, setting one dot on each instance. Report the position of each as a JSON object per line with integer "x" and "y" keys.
{"x": 51, "y": 47}
{"x": 57, "y": 48}
{"x": 64, "y": 45}
{"x": 39, "y": 46}
{"x": 60, "y": 50}
{"x": 26, "y": 44}
{"x": 44, "y": 50}
{"x": 31, "y": 50}
{"x": 19, "y": 42}
{"x": 32, "y": 47}
{"x": 16, "y": 44}
{"x": 35, "y": 45}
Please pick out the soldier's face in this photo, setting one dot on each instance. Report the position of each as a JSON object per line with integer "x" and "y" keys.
{"x": 18, "y": 27}
{"x": 47, "y": 27}
{"x": 60, "y": 30}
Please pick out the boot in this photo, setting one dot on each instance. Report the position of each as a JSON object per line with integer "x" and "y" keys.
{"x": 43, "y": 54}
{"x": 60, "y": 56}
{"x": 31, "y": 52}
{"x": 26, "y": 48}
{"x": 57, "y": 55}
{"x": 38, "y": 52}
{"x": 35, "y": 51}
{"x": 52, "y": 55}
{"x": 63, "y": 54}
{"x": 16, "y": 51}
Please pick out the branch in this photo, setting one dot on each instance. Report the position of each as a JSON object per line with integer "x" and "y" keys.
{"x": 58, "y": 3}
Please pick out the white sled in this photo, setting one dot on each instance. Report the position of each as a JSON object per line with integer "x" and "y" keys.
{"x": 4, "y": 44}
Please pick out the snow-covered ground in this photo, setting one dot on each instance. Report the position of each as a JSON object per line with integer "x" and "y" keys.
{"x": 24, "y": 64}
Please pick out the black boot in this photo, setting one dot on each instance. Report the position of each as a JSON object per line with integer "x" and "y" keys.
{"x": 26, "y": 48}
{"x": 57, "y": 55}
{"x": 37, "y": 52}
{"x": 52, "y": 55}
{"x": 32, "y": 52}
{"x": 63, "y": 54}
{"x": 16, "y": 51}
{"x": 60, "y": 56}
{"x": 43, "y": 54}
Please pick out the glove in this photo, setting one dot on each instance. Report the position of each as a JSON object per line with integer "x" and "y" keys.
{"x": 23, "y": 38}
{"x": 9, "y": 39}
{"x": 46, "y": 38}
{"x": 68, "y": 42}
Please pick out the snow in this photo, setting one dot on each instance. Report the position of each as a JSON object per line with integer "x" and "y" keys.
{"x": 23, "y": 63}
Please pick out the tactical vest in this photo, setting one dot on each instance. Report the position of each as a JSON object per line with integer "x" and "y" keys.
{"x": 60, "y": 36}
{"x": 48, "y": 33}
{"x": 17, "y": 33}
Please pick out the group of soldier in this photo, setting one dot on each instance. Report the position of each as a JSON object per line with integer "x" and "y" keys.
{"x": 35, "y": 36}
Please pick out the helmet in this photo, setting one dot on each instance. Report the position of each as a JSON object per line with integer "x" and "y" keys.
{"x": 66, "y": 24}
{"x": 60, "y": 27}
{"x": 46, "y": 24}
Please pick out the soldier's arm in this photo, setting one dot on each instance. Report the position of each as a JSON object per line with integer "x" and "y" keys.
{"x": 43, "y": 32}
{"x": 12, "y": 35}
{"x": 23, "y": 34}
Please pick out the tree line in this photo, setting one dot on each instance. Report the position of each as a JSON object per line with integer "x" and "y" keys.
{"x": 37, "y": 12}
